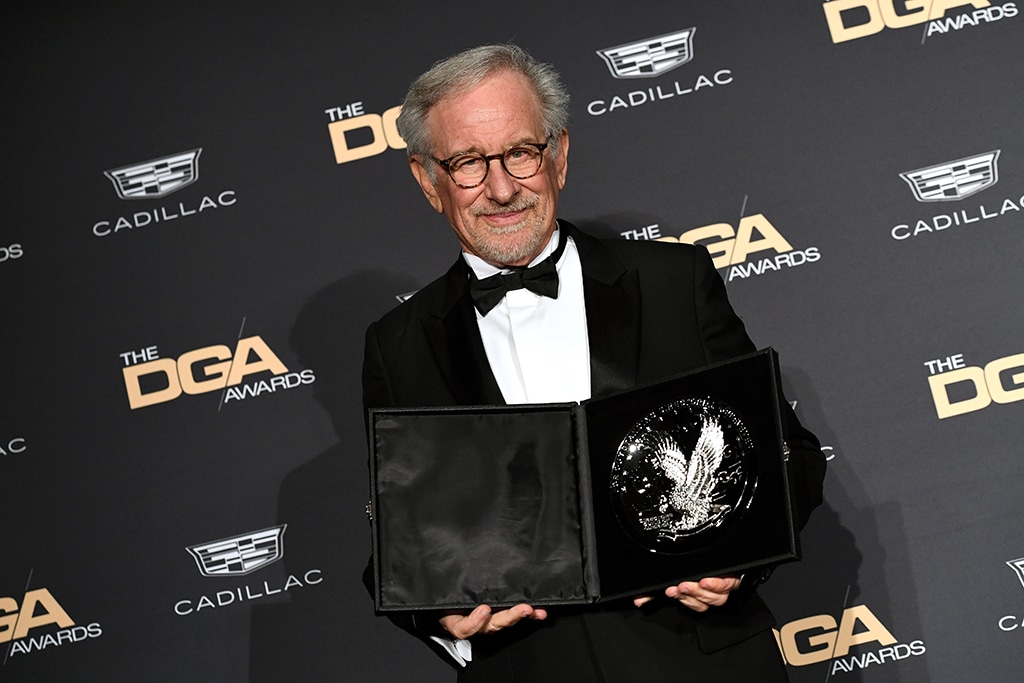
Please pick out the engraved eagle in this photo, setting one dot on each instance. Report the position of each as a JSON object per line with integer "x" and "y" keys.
{"x": 695, "y": 478}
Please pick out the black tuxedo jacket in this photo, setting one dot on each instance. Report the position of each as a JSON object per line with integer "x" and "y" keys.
{"x": 653, "y": 310}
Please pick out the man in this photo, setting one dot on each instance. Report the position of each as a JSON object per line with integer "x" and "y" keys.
{"x": 488, "y": 145}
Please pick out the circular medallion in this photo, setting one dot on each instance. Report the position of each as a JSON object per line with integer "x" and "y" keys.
{"x": 681, "y": 474}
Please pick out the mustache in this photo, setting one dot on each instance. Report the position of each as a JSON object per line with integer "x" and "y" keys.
{"x": 518, "y": 203}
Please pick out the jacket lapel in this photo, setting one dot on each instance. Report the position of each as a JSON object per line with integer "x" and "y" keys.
{"x": 612, "y": 296}
{"x": 454, "y": 340}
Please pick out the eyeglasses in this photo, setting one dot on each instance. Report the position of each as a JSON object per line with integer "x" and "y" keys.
{"x": 520, "y": 161}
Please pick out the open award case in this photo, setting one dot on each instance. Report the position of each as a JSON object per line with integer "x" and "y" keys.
{"x": 555, "y": 504}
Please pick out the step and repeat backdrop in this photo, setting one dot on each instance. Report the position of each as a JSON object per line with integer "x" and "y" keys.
{"x": 204, "y": 205}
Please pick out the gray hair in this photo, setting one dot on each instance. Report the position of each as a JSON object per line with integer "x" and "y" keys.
{"x": 464, "y": 71}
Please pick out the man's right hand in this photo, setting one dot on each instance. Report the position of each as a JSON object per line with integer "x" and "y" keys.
{"x": 481, "y": 620}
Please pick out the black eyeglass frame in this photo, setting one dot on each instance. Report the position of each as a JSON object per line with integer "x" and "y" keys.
{"x": 488, "y": 158}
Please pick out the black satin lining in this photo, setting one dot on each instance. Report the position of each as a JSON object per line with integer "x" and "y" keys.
{"x": 477, "y": 507}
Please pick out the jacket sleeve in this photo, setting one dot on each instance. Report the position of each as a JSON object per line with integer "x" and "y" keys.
{"x": 377, "y": 391}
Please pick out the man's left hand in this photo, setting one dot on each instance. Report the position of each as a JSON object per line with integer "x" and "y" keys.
{"x": 699, "y": 595}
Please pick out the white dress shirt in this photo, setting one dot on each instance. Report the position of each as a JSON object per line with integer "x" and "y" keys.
{"x": 537, "y": 346}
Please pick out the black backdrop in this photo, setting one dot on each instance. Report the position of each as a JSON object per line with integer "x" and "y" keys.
{"x": 897, "y": 317}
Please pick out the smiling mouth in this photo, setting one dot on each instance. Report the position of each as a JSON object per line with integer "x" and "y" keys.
{"x": 506, "y": 215}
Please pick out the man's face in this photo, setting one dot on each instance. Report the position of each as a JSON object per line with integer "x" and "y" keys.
{"x": 504, "y": 221}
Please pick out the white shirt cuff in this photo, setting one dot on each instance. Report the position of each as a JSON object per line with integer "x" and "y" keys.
{"x": 460, "y": 650}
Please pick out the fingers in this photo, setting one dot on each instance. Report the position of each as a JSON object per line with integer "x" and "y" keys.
{"x": 464, "y": 626}
{"x": 723, "y": 585}
{"x": 708, "y": 592}
{"x": 482, "y": 620}
{"x": 682, "y": 593}
{"x": 642, "y": 600}
{"x": 510, "y": 617}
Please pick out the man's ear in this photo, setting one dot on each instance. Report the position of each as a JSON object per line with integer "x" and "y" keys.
{"x": 426, "y": 184}
{"x": 562, "y": 158}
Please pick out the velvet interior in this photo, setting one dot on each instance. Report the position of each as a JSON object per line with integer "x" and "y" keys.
{"x": 495, "y": 523}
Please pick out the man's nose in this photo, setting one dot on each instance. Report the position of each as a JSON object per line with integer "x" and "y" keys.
{"x": 499, "y": 185}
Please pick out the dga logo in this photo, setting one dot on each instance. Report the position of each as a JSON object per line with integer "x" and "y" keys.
{"x": 154, "y": 179}
{"x": 820, "y": 638}
{"x": 852, "y": 19}
{"x": 20, "y": 624}
{"x": 240, "y": 555}
{"x": 733, "y": 248}
{"x": 157, "y": 177}
{"x": 958, "y": 389}
{"x": 954, "y": 180}
{"x": 650, "y": 57}
{"x": 357, "y": 134}
{"x": 150, "y": 379}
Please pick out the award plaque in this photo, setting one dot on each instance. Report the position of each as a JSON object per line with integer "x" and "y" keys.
{"x": 555, "y": 504}
{"x": 685, "y": 469}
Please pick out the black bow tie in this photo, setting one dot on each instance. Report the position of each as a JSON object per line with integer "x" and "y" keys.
{"x": 540, "y": 279}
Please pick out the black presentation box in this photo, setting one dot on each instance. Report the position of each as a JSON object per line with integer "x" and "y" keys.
{"x": 554, "y": 504}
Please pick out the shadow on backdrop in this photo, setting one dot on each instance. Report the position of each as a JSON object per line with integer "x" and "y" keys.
{"x": 852, "y": 547}
{"x": 331, "y": 633}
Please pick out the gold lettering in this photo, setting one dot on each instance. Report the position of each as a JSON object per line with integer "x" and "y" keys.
{"x": 52, "y": 613}
{"x": 882, "y": 14}
{"x": 771, "y": 238}
{"x": 721, "y": 249}
{"x": 875, "y": 631}
{"x": 342, "y": 152}
{"x": 216, "y": 373}
{"x": 917, "y": 13}
{"x": 944, "y": 407}
{"x": 940, "y": 7}
{"x": 391, "y": 134}
{"x": 995, "y": 384}
{"x": 266, "y": 360}
{"x": 838, "y": 28}
{"x": 8, "y": 618}
{"x": 822, "y": 642}
{"x": 132, "y": 373}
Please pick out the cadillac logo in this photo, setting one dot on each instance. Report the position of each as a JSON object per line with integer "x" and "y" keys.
{"x": 650, "y": 57}
{"x": 157, "y": 177}
{"x": 1018, "y": 566}
{"x": 954, "y": 180}
{"x": 240, "y": 555}
{"x": 685, "y": 469}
